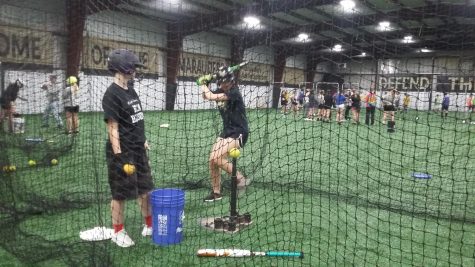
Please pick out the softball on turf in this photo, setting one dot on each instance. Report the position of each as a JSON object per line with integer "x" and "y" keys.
{"x": 32, "y": 163}
{"x": 129, "y": 169}
{"x": 234, "y": 153}
{"x": 54, "y": 161}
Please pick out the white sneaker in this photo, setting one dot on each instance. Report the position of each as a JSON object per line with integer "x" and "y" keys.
{"x": 242, "y": 186}
{"x": 122, "y": 239}
{"x": 147, "y": 231}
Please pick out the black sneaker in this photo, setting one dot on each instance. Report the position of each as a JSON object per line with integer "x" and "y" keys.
{"x": 213, "y": 197}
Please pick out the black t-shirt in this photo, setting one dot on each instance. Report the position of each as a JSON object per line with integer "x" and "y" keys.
{"x": 233, "y": 113}
{"x": 10, "y": 94}
{"x": 124, "y": 107}
{"x": 356, "y": 100}
{"x": 311, "y": 99}
{"x": 328, "y": 99}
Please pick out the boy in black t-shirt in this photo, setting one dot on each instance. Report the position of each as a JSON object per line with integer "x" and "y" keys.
{"x": 126, "y": 145}
{"x": 234, "y": 135}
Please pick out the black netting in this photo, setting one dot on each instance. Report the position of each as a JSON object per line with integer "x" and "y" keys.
{"x": 360, "y": 132}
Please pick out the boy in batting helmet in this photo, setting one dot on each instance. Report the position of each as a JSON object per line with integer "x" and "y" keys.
{"x": 127, "y": 161}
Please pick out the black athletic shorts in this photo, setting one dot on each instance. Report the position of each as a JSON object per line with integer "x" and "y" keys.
{"x": 389, "y": 108}
{"x": 445, "y": 107}
{"x": 123, "y": 186}
{"x": 284, "y": 103}
{"x": 6, "y": 105}
{"x": 73, "y": 109}
{"x": 242, "y": 137}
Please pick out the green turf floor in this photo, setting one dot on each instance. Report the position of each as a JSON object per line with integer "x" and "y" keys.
{"x": 342, "y": 194}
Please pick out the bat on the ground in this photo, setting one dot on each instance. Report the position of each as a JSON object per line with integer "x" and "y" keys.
{"x": 236, "y": 253}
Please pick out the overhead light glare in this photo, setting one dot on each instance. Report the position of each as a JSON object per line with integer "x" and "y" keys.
{"x": 337, "y": 48}
{"x": 425, "y": 50}
{"x": 303, "y": 37}
{"x": 408, "y": 39}
{"x": 347, "y": 5}
{"x": 384, "y": 26}
{"x": 363, "y": 54}
{"x": 252, "y": 21}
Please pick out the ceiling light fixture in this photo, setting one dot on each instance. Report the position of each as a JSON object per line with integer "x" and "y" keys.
{"x": 384, "y": 26}
{"x": 251, "y": 21}
{"x": 425, "y": 50}
{"x": 408, "y": 39}
{"x": 303, "y": 37}
{"x": 347, "y": 5}
{"x": 363, "y": 54}
{"x": 337, "y": 48}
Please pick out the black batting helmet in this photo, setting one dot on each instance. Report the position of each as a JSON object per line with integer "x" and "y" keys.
{"x": 225, "y": 75}
{"x": 123, "y": 61}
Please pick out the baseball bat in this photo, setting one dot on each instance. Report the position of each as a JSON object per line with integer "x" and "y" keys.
{"x": 210, "y": 77}
{"x": 237, "y": 253}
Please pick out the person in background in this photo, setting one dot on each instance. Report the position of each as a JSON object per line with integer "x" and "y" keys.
{"x": 348, "y": 104}
{"x": 370, "y": 100}
{"x": 405, "y": 102}
{"x": 295, "y": 102}
{"x": 7, "y": 103}
{"x": 321, "y": 105}
{"x": 71, "y": 105}
{"x": 389, "y": 108}
{"x": 327, "y": 106}
{"x": 340, "y": 106}
{"x": 356, "y": 106}
{"x": 437, "y": 102}
{"x": 312, "y": 103}
{"x": 445, "y": 105}
{"x": 284, "y": 101}
{"x": 53, "y": 91}
{"x": 397, "y": 100}
{"x": 301, "y": 99}
{"x": 469, "y": 103}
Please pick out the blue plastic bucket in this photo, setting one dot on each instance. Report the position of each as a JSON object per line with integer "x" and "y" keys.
{"x": 167, "y": 215}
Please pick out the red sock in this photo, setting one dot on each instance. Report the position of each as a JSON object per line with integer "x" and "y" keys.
{"x": 148, "y": 220}
{"x": 118, "y": 227}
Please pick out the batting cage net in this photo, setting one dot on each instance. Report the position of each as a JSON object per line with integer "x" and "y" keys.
{"x": 237, "y": 133}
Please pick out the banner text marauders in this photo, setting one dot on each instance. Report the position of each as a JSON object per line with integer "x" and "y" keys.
{"x": 192, "y": 65}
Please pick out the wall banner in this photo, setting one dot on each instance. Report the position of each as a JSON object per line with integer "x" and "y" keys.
{"x": 194, "y": 65}
{"x": 97, "y": 50}
{"x": 455, "y": 84}
{"x": 293, "y": 76}
{"x": 26, "y": 46}
{"x": 444, "y": 83}
{"x": 256, "y": 72}
{"x": 407, "y": 82}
